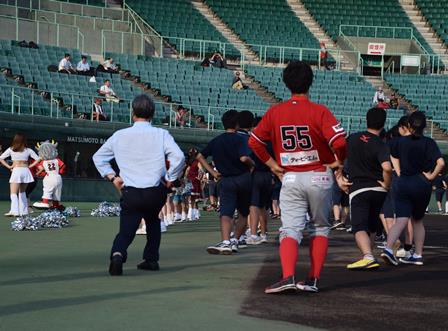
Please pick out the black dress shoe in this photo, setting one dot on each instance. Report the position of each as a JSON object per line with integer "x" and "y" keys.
{"x": 148, "y": 265}
{"x": 116, "y": 266}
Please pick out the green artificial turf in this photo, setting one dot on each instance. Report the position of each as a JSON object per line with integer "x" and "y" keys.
{"x": 57, "y": 280}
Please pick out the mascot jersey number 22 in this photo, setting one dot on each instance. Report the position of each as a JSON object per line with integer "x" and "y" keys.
{"x": 53, "y": 167}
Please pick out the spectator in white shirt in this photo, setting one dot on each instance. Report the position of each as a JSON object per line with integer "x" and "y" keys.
{"x": 108, "y": 92}
{"x": 109, "y": 66}
{"x": 378, "y": 95}
{"x": 83, "y": 67}
{"x": 65, "y": 66}
{"x": 98, "y": 113}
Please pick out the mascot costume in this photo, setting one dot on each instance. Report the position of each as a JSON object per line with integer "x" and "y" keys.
{"x": 53, "y": 168}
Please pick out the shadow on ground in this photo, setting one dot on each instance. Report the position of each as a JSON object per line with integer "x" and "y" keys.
{"x": 390, "y": 298}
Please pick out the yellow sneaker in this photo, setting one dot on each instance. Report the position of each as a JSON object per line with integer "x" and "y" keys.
{"x": 363, "y": 264}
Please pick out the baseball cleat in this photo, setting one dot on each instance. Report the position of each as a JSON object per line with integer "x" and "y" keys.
{"x": 310, "y": 285}
{"x": 285, "y": 284}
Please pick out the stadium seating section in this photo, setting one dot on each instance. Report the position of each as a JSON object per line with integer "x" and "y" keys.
{"x": 331, "y": 14}
{"x": 346, "y": 94}
{"x": 266, "y": 22}
{"x": 33, "y": 63}
{"x": 100, "y": 3}
{"x": 179, "y": 19}
{"x": 436, "y": 12}
{"x": 428, "y": 93}
{"x": 189, "y": 84}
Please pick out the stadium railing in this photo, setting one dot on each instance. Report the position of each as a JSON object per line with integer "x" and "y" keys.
{"x": 53, "y": 110}
{"x": 46, "y": 32}
{"x": 347, "y": 30}
{"x": 165, "y": 111}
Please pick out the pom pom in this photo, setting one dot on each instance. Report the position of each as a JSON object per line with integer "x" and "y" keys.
{"x": 106, "y": 209}
{"x": 51, "y": 219}
{"x": 72, "y": 212}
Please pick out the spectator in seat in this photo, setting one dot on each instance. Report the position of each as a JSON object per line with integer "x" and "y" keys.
{"x": 394, "y": 102}
{"x": 109, "y": 66}
{"x": 108, "y": 92}
{"x": 83, "y": 67}
{"x": 65, "y": 66}
{"x": 323, "y": 55}
{"x": 199, "y": 121}
{"x": 181, "y": 116}
{"x": 379, "y": 94}
{"x": 237, "y": 83}
{"x": 382, "y": 104}
{"x": 98, "y": 113}
{"x": 217, "y": 60}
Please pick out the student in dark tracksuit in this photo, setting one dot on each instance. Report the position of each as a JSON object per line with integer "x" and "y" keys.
{"x": 370, "y": 172}
{"x": 231, "y": 157}
{"x": 417, "y": 161}
{"x": 261, "y": 184}
{"x": 439, "y": 186}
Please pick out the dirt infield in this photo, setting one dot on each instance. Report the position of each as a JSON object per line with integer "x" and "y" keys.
{"x": 390, "y": 298}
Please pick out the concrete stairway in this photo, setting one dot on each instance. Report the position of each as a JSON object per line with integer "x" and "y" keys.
{"x": 231, "y": 36}
{"x": 378, "y": 82}
{"x": 432, "y": 128}
{"x": 425, "y": 29}
{"x": 260, "y": 90}
{"x": 304, "y": 15}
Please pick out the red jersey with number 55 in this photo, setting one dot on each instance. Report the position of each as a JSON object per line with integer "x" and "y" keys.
{"x": 302, "y": 135}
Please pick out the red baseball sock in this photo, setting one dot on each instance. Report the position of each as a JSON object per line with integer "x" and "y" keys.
{"x": 45, "y": 200}
{"x": 289, "y": 250}
{"x": 318, "y": 252}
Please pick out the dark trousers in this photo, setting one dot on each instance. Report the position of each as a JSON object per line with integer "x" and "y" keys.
{"x": 137, "y": 203}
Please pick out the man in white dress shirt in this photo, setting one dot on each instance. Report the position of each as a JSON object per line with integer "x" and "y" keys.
{"x": 83, "y": 67}
{"x": 141, "y": 153}
{"x": 65, "y": 66}
{"x": 108, "y": 92}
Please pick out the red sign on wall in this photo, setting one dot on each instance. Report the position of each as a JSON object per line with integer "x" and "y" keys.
{"x": 376, "y": 49}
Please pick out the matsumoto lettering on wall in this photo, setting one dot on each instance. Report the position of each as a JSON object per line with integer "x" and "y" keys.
{"x": 86, "y": 140}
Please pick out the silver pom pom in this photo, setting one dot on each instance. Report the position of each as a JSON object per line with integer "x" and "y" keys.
{"x": 50, "y": 219}
{"x": 106, "y": 209}
{"x": 72, "y": 212}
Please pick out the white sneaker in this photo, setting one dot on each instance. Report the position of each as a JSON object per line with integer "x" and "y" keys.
{"x": 253, "y": 240}
{"x": 177, "y": 217}
{"x": 248, "y": 232}
{"x": 401, "y": 253}
{"x": 162, "y": 227}
{"x": 141, "y": 230}
{"x": 9, "y": 214}
{"x": 184, "y": 217}
{"x": 41, "y": 205}
{"x": 264, "y": 238}
{"x": 170, "y": 219}
{"x": 30, "y": 210}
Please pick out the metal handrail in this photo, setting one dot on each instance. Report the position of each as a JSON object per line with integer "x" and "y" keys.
{"x": 393, "y": 28}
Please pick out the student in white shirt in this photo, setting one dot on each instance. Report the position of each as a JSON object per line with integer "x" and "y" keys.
{"x": 108, "y": 92}
{"x": 83, "y": 67}
{"x": 20, "y": 173}
{"x": 378, "y": 95}
{"x": 110, "y": 66}
{"x": 97, "y": 111}
{"x": 65, "y": 66}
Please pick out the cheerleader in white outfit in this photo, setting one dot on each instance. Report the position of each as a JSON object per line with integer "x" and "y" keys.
{"x": 20, "y": 173}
